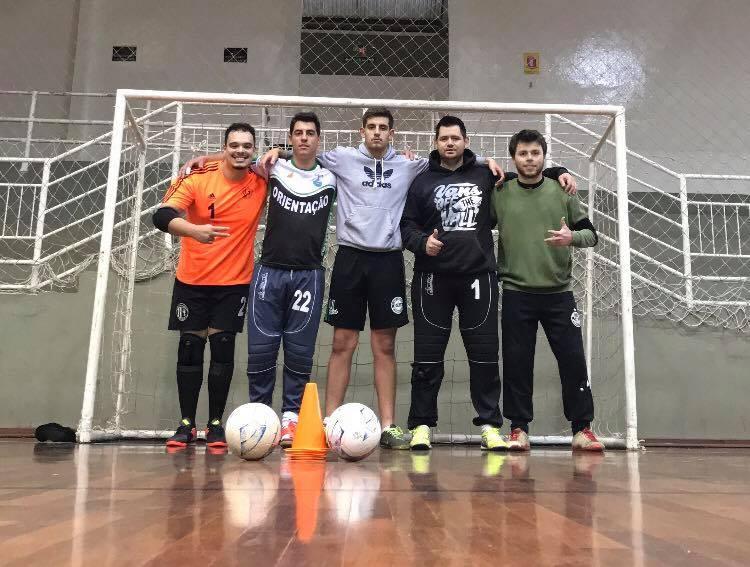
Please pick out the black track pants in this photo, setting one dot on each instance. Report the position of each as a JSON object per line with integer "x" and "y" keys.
{"x": 434, "y": 298}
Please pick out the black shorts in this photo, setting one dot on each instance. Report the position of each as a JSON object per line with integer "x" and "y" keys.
{"x": 362, "y": 281}
{"x": 198, "y": 307}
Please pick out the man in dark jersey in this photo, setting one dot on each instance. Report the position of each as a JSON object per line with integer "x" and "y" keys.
{"x": 447, "y": 224}
{"x": 286, "y": 294}
{"x": 537, "y": 278}
{"x": 222, "y": 204}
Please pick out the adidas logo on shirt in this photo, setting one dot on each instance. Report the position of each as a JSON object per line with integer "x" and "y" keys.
{"x": 377, "y": 177}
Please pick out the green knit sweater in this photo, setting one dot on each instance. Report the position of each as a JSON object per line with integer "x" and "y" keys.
{"x": 525, "y": 262}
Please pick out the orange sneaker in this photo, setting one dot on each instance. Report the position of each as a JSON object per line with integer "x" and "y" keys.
{"x": 585, "y": 440}
{"x": 288, "y": 431}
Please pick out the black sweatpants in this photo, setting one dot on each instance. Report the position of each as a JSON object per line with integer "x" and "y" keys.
{"x": 561, "y": 321}
{"x": 434, "y": 298}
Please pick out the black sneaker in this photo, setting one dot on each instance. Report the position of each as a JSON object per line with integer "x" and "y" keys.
{"x": 184, "y": 435}
{"x": 215, "y": 435}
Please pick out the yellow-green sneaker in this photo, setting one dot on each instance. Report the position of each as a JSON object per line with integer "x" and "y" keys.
{"x": 493, "y": 463}
{"x": 420, "y": 463}
{"x": 492, "y": 440}
{"x": 393, "y": 437}
{"x": 420, "y": 438}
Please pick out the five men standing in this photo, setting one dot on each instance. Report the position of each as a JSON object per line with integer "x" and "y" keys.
{"x": 449, "y": 206}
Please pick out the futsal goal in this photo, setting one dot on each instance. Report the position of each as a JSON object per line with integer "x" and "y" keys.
{"x": 130, "y": 389}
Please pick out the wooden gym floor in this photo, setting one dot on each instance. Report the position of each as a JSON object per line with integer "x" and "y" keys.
{"x": 136, "y": 504}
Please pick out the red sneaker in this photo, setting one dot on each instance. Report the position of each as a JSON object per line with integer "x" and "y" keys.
{"x": 585, "y": 440}
{"x": 287, "y": 433}
{"x": 518, "y": 440}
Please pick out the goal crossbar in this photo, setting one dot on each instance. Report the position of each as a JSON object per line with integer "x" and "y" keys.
{"x": 302, "y": 101}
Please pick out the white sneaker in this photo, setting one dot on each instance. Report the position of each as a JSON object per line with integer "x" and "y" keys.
{"x": 585, "y": 440}
{"x": 518, "y": 440}
{"x": 288, "y": 428}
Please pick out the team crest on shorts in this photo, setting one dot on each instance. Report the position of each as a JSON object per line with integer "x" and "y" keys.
{"x": 575, "y": 317}
{"x": 332, "y": 307}
{"x": 182, "y": 312}
{"x": 397, "y": 305}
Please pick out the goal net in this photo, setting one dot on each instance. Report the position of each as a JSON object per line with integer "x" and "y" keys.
{"x": 130, "y": 388}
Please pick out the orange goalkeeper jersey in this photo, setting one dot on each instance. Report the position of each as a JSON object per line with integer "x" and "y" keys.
{"x": 210, "y": 198}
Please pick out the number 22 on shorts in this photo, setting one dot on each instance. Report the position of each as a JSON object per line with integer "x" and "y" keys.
{"x": 299, "y": 297}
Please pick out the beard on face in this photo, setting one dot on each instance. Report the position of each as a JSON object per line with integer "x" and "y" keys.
{"x": 531, "y": 170}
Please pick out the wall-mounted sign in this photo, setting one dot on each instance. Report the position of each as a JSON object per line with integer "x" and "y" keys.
{"x": 531, "y": 63}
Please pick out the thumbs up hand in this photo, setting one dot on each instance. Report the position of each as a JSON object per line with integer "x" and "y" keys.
{"x": 562, "y": 237}
{"x": 433, "y": 245}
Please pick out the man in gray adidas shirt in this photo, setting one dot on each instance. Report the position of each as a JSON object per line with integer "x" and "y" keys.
{"x": 368, "y": 273}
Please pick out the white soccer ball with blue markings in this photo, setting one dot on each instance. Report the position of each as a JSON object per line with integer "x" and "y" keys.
{"x": 353, "y": 431}
{"x": 252, "y": 431}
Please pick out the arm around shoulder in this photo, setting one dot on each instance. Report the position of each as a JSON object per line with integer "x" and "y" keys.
{"x": 332, "y": 158}
{"x": 554, "y": 172}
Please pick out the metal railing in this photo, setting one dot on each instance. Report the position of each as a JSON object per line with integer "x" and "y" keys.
{"x": 707, "y": 229}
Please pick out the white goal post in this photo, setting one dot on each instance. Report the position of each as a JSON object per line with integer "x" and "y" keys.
{"x": 154, "y": 131}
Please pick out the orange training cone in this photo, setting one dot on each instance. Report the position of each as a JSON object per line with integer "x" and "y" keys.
{"x": 310, "y": 439}
{"x": 308, "y": 478}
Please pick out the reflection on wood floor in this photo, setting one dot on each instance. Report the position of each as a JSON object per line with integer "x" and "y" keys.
{"x": 134, "y": 504}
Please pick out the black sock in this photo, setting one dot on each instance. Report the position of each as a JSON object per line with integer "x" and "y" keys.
{"x": 190, "y": 373}
{"x": 219, "y": 380}
{"x": 220, "y": 373}
{"x": 189, "y": 381}
{"x": 523, "y": 426}
{"x": 579, "y": 426}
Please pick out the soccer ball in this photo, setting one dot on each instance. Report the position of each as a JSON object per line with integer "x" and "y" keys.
{"x": 252, "y": 431}
{"x": 352, "y": 491}
{"x": 254, "y": 496}
{"x": 353, "y": 431}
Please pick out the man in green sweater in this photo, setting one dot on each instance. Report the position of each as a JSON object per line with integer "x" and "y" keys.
{"x": 536, "y": 273}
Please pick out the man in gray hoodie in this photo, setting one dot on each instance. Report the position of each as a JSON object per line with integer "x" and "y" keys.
{"x": 368, "y": 273}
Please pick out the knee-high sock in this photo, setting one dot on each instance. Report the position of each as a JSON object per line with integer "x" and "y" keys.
{"x": 220, "y": 373}
{"x": 189, "y": 373}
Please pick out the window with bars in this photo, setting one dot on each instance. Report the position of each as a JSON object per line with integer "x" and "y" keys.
{"x": 375, "y": 46}
{"x": 124, "y": 53}
{"x": 235, "y": 55}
